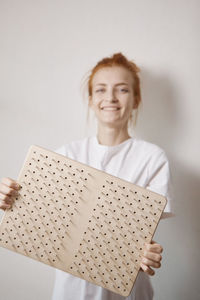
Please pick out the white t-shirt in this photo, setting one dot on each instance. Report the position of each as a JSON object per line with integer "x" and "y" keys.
{"x": 134, "y": 160}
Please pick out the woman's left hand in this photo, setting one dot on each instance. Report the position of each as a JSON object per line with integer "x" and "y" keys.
{"x": 151, "y": 257}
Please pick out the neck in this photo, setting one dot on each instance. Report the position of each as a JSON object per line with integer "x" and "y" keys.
{"x": 111, "y": 136}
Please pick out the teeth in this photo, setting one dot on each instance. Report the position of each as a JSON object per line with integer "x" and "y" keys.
{"x": 110, "y": 108}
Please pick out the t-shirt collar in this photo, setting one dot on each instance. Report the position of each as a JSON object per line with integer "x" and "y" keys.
{"x": 106, "y": 148}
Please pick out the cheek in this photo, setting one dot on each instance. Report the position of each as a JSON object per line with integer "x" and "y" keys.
{"x": 128, "y": 103}
{"x": 95, "y": 104}
{"x": 96, "y": 101}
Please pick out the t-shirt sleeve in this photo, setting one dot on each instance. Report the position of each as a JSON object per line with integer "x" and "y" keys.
{"x": 159, "y": 179}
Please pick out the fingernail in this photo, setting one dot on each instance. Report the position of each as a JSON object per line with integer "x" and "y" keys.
{"x": 18, "y": 186}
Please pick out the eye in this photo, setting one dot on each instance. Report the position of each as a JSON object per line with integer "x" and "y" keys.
{"x": 124, "y": 90}
{"x": 100, "y": 90}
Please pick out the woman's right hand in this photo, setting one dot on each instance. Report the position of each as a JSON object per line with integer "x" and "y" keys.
{"x": 8, "y": 189}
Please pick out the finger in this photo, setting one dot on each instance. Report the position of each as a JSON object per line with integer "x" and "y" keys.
{"x": 6, "y": 199}
{"x": 147, "y": 270}
{"x": 152, "y": 255}
{"x": 157, "y": 248}
{"x": 11, "y": 183}
{"x": 151, "y": 263}
{"x": 4, "y": 189}
{"x": 4, "y": 206}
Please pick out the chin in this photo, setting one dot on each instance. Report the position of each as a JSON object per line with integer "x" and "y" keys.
{"x": 110, "y": 123}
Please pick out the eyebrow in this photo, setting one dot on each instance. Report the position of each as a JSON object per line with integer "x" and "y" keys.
{"x": 120, "y": 83}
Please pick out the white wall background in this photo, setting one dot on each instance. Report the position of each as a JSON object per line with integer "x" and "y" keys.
{"x": 46, "y": 47}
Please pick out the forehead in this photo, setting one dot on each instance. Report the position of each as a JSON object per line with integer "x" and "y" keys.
{"x": 113, "y": 75}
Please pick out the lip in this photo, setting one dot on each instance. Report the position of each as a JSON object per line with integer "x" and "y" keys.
{"x": 110, "y": 108}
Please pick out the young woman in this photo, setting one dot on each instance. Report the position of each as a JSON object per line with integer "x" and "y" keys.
{"x": 113, "y": 95}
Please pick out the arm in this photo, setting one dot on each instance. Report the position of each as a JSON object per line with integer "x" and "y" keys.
{"x": 159, "y": 181}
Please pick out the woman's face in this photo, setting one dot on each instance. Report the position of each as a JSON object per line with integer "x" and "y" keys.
{"x": 112, "y": 95}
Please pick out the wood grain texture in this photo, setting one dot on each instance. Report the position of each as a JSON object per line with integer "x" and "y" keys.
{"x": 81, "y": 220}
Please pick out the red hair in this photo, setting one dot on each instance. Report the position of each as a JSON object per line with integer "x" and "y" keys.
{"x": 118, "y": 59}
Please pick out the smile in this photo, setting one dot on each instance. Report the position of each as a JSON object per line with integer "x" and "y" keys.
{"x": 110, "y": 108}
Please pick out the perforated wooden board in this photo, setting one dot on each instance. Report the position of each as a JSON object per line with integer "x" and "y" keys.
{"x": 81, "y": 220}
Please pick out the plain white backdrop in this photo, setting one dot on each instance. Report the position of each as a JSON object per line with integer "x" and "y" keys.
{"x": 46, "y": 48}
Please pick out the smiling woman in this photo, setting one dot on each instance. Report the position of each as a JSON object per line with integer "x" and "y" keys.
{"x": 113, "y": 93}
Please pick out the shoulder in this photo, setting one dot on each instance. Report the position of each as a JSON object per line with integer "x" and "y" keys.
{"x": 148, "y": 149}
{"x": 150, "y": 155}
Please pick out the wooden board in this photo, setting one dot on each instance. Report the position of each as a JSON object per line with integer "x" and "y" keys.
{"x": 81, "y": 220}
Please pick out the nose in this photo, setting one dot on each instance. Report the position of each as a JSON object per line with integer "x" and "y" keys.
{"x": 111, "y": 96}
